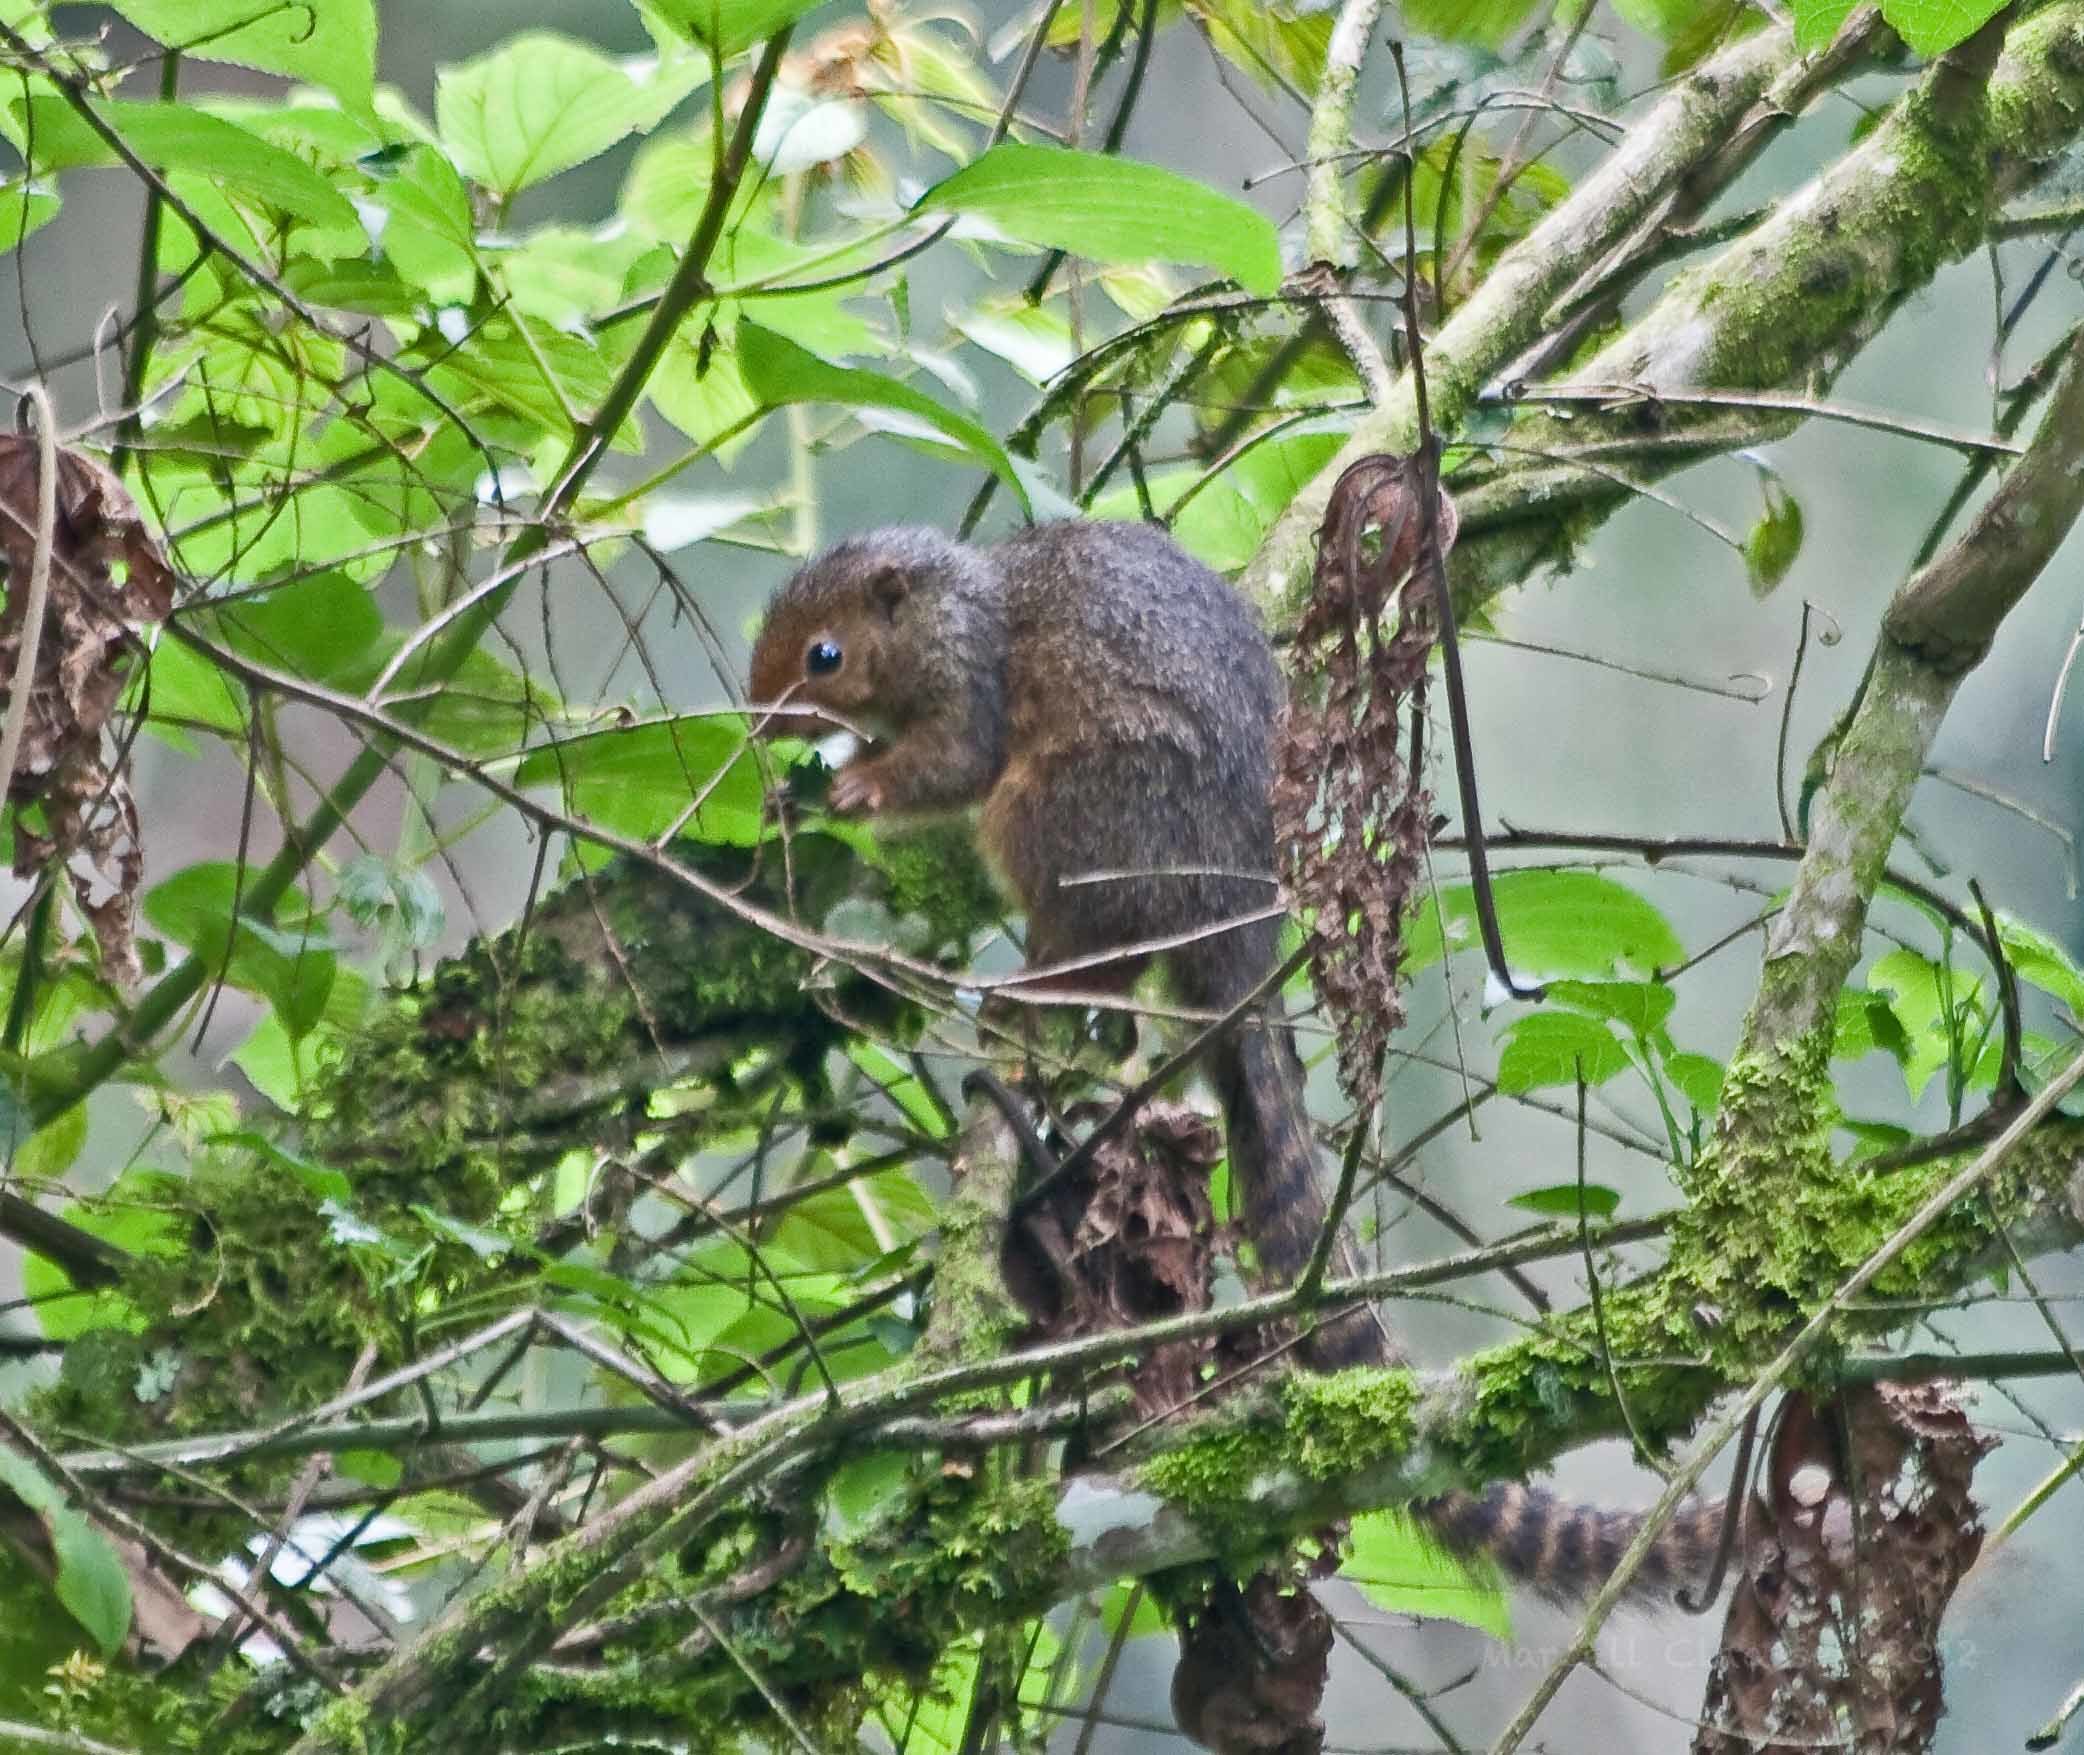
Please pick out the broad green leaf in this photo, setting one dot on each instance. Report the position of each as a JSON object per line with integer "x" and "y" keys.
{"x": 2038, "y": 959}
{"x": 331, "y": 43}
{"x": 1399, "y": 1567}
{"x": 538, "y": 104}
{"x": 429, "y": 234}
{"x": 1111, "y": 210}
{"x": 23, "y": 208}
{"x": 1224, "y": 523}
{"x": 1555, "y": 924}
{"x": 641, "y": 779}
{"x": 777, "y": 371}
{"x": 36, "y": 1635}
{"x": 177, "y": 137}
{"x": 483, "y": 707}
{"x": 280, "y": 1065}
{"x": 832, "y": 1229}
{"x": 703, "y": 392}
{"x": 864, "y": 1489}
{"x": 1489, "y": 22}
{"x": 1771, "y": 545}
{"x": 1864, "y": 1022}
{"x": 1554, "y": 1048}
{"x": 1817, "y": 21}
{"x": 1698, "y": 1078}
{"x": 1566, "y": 1200}
{"x": 318, "y": 628}
{"x": 548, "y": 378}
{"x": 726, "y": 26}
{"x": 292, "y": 970}
{"x": 667, "y": 185}
{"x": 91, "y": 1583}
{"x": 1642, "y": 1006}
{"x": 1034, "y": 340}
{"x": 898, "y": 1083}
{"x": 1278, "y": 46}
{"x": 400, "y": 900}
{"x": 1931, "y": 27}
{"x": 142, "y": 1214}
{"x": 250, "y": 538}
{"x": 184, "y": 687}
{"x": 53, "y": 1148}
{"x": 1918, "y": 1004}
{"x": 563, "y": 274}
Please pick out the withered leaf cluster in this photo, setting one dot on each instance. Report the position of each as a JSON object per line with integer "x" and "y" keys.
{"x": 107, "y": 578}
{"x": 1131, "y": 1239}
{"x": 1351, "y": 812}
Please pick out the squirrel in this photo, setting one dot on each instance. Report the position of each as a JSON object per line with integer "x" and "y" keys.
{"x": 1111, "y": 704}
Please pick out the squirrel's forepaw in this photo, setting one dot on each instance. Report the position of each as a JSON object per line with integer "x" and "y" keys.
{"x": 854, "y": 793}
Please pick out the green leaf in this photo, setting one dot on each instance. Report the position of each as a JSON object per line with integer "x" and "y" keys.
{"x": 178, "y": 137}
{"x": 1555, "y": 923}
{"x": 1771, "y": 545}
{"x": 140, "y": 1214}
{"x": 1550, "y": 1048}
{"x": 1698, "y": 1078}
{"x": 862, "y": 1490}
{"x": 91, "y": 1583}
{"x": 429, "y": 235}
{"x": 1399, "y": 1567}
{"x": 1918, "y": 1005}
{"x": 331, "y": 43}
{"x": 726, "y": 26}
{"x": 538, "y": 104}
{"x": 319, "y": 628}
{"x": 293, "y": 971}
{"x": 401, "y": 901}
{"x": 1276, "y": 45}
{"x": 1566, "y": 1200}
{"x": 1817, "y": 21}
{"x": 182, "y": 685}
{"x": 2040, "y": 961}
{"x": 53, "y": 1148}
{"x": 777, "y": 371}
{"x": 1227, "y": 519}
{"x": 1111, "y": 210}
{"x": 1033, "y": 339}
{"x": 1489, "y": 22}
{"x": 1931, "y": 27}
{"x": 1642, "y": 1006}
{"x": 640, "y": 779}
{"x": 23, "y": 208}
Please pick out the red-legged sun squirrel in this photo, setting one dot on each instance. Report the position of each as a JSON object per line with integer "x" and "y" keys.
{"x": 1110, "y": 703}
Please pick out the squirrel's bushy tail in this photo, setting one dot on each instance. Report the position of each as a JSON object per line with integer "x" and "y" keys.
{"x": 1559, "y": 1548}
{"x": 1565, "y": 1550}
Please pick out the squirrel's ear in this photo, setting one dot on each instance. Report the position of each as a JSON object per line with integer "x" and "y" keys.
{"x": 888, "y": 587}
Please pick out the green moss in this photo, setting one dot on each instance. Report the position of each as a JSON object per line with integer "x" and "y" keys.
{"x": 935, "y": 874}
{"x": 1319, "y": 1428}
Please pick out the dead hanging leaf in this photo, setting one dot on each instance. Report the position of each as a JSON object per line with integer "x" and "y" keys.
{"x": 1351, "y": 813}
{"x": 1131, "y": 1239}
{"x": 107, "y": 578}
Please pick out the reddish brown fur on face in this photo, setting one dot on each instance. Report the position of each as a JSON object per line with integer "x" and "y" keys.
{"x": 778, "y": 678}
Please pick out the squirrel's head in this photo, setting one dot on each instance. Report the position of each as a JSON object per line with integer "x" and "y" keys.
{"x": 833, "y": 639}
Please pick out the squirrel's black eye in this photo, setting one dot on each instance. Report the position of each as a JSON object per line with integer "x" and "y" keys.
{"x": 823, "y": 658}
